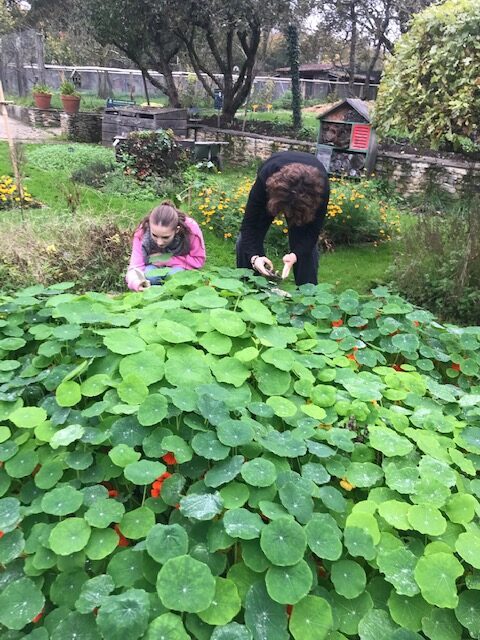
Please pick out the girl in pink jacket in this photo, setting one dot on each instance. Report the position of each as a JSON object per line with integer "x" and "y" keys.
{"x": 166, "y": 237}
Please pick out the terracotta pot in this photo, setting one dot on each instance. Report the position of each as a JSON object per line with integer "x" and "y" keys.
{"x": 42, "y": 100}
{"x": 71, "y": 104}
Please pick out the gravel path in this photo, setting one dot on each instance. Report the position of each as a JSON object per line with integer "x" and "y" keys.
{"x": 23, "y": 132}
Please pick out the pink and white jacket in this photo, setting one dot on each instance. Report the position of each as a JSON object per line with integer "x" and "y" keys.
{"x": 195, "y": 259}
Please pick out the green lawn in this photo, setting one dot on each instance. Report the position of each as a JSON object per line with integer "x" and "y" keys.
{"x": 357, "y": 267}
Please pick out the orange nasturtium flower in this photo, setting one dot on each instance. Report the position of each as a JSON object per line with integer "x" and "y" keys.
{"x": 169, "y": 458}
{"x": 345, "y": 484}
{"x": 337, "y": 323}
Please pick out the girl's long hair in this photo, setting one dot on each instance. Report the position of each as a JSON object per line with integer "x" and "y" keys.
{"x": 167, "y": 215}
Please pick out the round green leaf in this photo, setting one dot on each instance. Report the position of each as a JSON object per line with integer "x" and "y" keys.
{"x": 389, "y": 442}
{"x": 93, "y": 592}
{"x": 398, "y": 566}
{"x": 201, "y": 506}
{"x": 216, "y": 343}
{"x": 28, "y": 417}
{"x": 324, "y": 536}
{"x": 467, "y": 546}
{"x": 259, "y": 472}
{"x": 143, "y": 471}
{"x": 21, "y": 464}
{"x": 288, "y": 585}
{"x": 9, "y": 513}
{"x": 132, "y": 389}
{"x": 427, "y": 519}
{"x": 137, "y": 523}
{"x": 436, "y": 575}
{"x": 225, "y": 605}
{"x": 123, "y": 341}
{"x": 230, "y": 371}
{"x": 62, "y": 501}
{"x": 468, "y": 612}
{"x": 20, "y": 602}
{"x": 283, "y": 541}
{"x": 148, "y": 364}
{"x": 227, "y": 322}
{"x": 363, "y": 474}
{"x": 282, "y": 407}
{"x": 103, "y": 512}
{"x": 234, "y": 433}
{"x": 101, "y": 544}
{"x": 241, "y": 523}
{"x": 461, "y": 508}
{"x": 125, "y": 567}
{"x": 77, "y": 626}
{"x": 122, "y": 455}
{"x": 152, "y": 410}
{"x": 408, "y": 612}
{"x": 232, "y": 631}
{"x": 167, "y": 541}
{"x": 256, "y": 311}
{"x": 168, "y": 626}
{"x": 185, "y": 584}
{"x": 441, "y": 624}
{"x": 124, "y": 615}
{"x": 49, "y": 474}
{"x": 208, "y": 446}
{"x": 69, "y": 536}
{"x": 11, "y": 546}
{"x": 68, "y": 393}
{"x": 64, "y": 437}
{"x": 311, "y": 619}
{"x": 348, "y": 578}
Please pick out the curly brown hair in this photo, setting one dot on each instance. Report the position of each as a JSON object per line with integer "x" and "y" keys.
{"x": 297, "y": 191}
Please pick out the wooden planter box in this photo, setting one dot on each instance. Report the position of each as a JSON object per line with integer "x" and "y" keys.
{"x": 118, "y": 122}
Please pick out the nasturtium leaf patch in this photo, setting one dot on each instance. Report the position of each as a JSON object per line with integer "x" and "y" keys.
{"x": 282, "y": 407}
{"x": 234, "y": 433}
{"x": 185, "y": 584}
{"x": 364, "y": 474}
{"x": 311, "y": 619}
{"x": 441, "y": 624}
{"x": 20, "y": 602}
{"x": 389, "y": 442}
{"x": 232, "y": 631}
{"x": 69, "y": 536}
{"x": 398, "y": 566}
{"x": 148, "y": 364}
{"x": 230, "y": 371}
{"x": 283, "y": 359}
{"x": 408, "y": 612}
{"x": 283, "y": 444}
{"x": 461, "y": 508}
{"x": 376, "y": 625}
{"x": 467, "y": 546}
{"x": 467, "y": 612}
{"x": 152, "y": 410}
{"x": 288, "y": 585}
{"x": 124, "y": 615}
{"x": 122, "y": 454}
{"x": 223, "y": 472}
{"x": 132, "y": 389}
{"x": 67, "y": 435}
{"x": 11, "y": 546}
{"x": 22, "y": 463}
{"x": 283, "y": 541}
{"x": 395, "y": 513}
{"x": 436, "y": 576}
{"x": 208, "y": 446}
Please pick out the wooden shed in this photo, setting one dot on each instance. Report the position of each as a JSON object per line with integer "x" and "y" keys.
{"x": 120, "y": 121}
{"x": 346, "y": 139}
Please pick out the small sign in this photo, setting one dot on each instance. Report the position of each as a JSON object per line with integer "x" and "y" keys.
{"x": 218, "y": 99}
{"x": 324, "y": 155}
{"x": 76, "y": 78}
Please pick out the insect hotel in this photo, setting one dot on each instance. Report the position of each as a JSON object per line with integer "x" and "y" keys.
{"x": 346, "y": 140}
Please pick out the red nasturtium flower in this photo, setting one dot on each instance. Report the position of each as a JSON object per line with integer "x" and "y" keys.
{"x": 351, "y": 356}
{"x": 156, "y": 489}
{"x": 416, "y": 323}
{"x": 38, "y": 617}
{"x": 113, "y": 493}
{"x": 397, "y": 367}
{"x": 122, "y": 541}
{"x": 1, "y": 534}
{"x": 289, "y": 609}
{"x": 455, "y": 366}
{"x": 337, "y": 323}
{"x": 169, "y": 458}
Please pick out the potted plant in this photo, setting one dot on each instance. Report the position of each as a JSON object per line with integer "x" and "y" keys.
{"x": 70, "y": 97}
{"x": 42, "y": 96}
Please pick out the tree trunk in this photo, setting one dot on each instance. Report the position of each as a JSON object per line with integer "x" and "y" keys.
{"x": 293, "y": 55}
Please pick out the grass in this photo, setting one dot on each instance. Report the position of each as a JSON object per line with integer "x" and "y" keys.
{"x": 90, "y": 101}
{"x": 358, "y": 268}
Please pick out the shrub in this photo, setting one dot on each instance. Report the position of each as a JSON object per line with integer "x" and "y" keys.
{"x": 10, "y": 197}
{"x": 430, "y": 88}
{"x": 151, "y": 188}
{"x": 355, "y": 214}
{"x": 438, "y": 262}
{"x": 41, "y": 88}
{"x": 208, "y": 460}
{"x": 67, "y": 157}
{"x": 148, "y": 153}
{"x": 55, "y": 250}
{"x": 93, "y": 175}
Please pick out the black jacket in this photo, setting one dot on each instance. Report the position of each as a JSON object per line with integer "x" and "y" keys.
{"x": 257, "y": 220}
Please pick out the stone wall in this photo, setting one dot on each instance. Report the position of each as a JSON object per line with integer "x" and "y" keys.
{"x": 409, "y": 173}
{"x": 82, "y": 126}
{"x": 35, "y": 117}
{"x": 416, "y": 173}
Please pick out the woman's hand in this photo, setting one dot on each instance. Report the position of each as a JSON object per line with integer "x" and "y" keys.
{"x": 289, "y": 260}
{"x": 262, "y": 264}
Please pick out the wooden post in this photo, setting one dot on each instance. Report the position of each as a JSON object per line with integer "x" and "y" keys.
{"x": 11, "y": 145}
{"x": 145, "y": 88}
